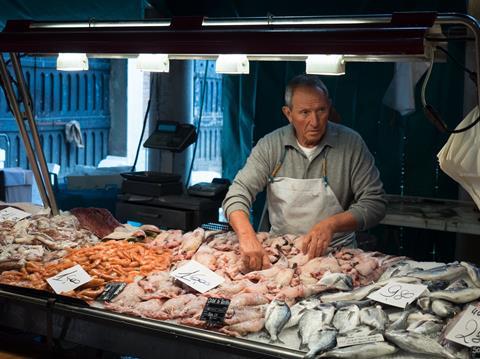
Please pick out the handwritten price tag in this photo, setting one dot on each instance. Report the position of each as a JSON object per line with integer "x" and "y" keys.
{"x": 197, "y": 276}
{"x": 398, "y": 294}
{"x": 12, "y": 214}
{"x": 467, "y": 330}
{"x": 349, "y": 341}
{"x": 69, "y": 279}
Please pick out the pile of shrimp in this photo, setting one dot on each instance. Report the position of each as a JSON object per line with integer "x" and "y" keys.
{"x": 112, "y": 261}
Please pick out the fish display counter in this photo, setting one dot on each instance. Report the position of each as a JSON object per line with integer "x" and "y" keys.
{"x": 135, "y": 302}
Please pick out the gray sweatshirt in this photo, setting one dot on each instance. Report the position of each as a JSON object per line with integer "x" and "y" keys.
{"x": 351, "y": 172}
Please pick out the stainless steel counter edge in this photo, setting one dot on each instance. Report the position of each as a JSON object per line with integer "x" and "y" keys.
{"x": 172, "y": 329}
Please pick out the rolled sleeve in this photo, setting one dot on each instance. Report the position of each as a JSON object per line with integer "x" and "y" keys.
{"x": 249, "y": 181}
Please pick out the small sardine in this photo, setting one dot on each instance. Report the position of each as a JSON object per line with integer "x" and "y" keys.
{"x": 444, "y": 309}
{"x": 277, "y": 315}
{"x": 374, "y": 317}
{"x": 338, "y": 281}
{"x": 362, "y": 351}
{"x": 426, "y": 327}
{"x": 445, "y": 272}
{"x": 417, "y": 343}
{"x": 473, "y": 272}
{"x": 347, "y": 318}
{"x": 320, "y": 341}
{"x": 458, "y": 296}
{"x": 299, "y": 308}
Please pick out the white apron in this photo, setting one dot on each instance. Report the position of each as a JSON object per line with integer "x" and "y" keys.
{"x": 296, "y": 205}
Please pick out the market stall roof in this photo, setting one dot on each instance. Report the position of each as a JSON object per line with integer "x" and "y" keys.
{"x": 392, "y": 34}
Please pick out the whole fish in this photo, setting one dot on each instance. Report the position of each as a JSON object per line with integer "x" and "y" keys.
{"x": 458, "y": 284}
{"x": 314, "y": 320}
{"x": 346, "y": 318}
{"x": 424, "y": 303}
{"x": 360, "y": 331}
{"x": 458, "y": 296}
{"x": 444, "y": 272}
{"x": 362, "y": 351}
{"x": 401, "y": 322}
{"x": 414, "y": 316}
{"x": 433, "y": 285}
{"x": 358, "y": 303}
{"x": 277, "y": 315}
{"x": 374, "y": 317}
{"x": 473, "y": 272}
{"x": 320, "y": 341}
{"x": 396, "y": 270}
{"x": 417, "y": 343}
{"x": 426, "y": 327}
{"x": 444, "y": 309}
{"x": 299, "y": 308}
{"x": 338, "y": 281}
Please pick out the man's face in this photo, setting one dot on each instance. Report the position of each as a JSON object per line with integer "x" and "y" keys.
{"x": 308, "y": 114}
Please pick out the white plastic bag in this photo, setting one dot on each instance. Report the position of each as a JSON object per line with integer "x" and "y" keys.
{"x": 460, "y": 157}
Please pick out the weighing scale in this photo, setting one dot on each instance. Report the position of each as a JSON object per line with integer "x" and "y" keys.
{"x": 158, "y": 198}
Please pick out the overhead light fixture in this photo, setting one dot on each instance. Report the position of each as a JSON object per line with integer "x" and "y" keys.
{"x": 72, "y": 62}
{"x": 232, "y": 64}
{"x": 153, "y": 62}
{"x": 325, "y": 65}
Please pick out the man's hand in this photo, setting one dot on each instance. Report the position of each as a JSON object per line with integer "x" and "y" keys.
{"x": 317, "y": 240}
{"x": 253, "y": 255}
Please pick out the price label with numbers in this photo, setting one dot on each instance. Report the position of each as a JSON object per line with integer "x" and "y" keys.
{"x": 12, "y": 214}
{"x": 398, "y": 294}
{"x": 69, "y": 279}
{"x": 467, "y": 330}
{"x": 197, "y": 276}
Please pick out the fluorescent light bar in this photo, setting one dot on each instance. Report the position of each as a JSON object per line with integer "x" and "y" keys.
{"x": 153, "y": 62}
{"x": 325, "y": 65}
{"x": 72, "y": 62}
{"x": 232, "y": 64}
{"x": 93, "y": 24}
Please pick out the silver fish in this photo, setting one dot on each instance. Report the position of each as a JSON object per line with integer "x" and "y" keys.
{"x": 417, "y": 343}
{"x": 346, "y": 318}
{"x": 358, "y": 303}
{"x": 424, "y": 303}
{"x": 362, "y": 351}
{"x": 458, "y": 284}
{"x": 401, "y": 322}
{"x": 314, "y": 320}
{"x": 320, "y": 341}
{"x": 374, "y": 317}
{"x": 414, "y": 316}
{"x": 445, "y": 272}
{"x": 277, "y": 315}
{"x": 299, "y": 308}
{"x": 473, "y": 272}
{"x": 426, "y": 327}
{"x": 396, "y": 270}
{"x": 360, "y": 331}
{"x": 338, "y": 281}
{"x": 444, "y": 309}
{"x": 458, "y": 296}
{"x": 433, "y": 285}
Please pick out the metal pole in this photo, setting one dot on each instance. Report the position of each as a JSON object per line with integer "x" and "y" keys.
{"x": 10, "y": 94}
{"x": 17, "y": 66}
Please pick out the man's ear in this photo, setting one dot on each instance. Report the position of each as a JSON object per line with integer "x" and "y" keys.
{"x": 288, "y": 114}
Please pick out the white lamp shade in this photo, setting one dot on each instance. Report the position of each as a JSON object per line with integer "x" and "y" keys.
{"x": 72, "y": 62}
{"x": 232, "y": 64}
{"x": 325, "y": 65}
{"x": 153, "y": 62}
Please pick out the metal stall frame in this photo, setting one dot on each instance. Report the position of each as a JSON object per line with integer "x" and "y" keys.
{"x": 395, "y": 37}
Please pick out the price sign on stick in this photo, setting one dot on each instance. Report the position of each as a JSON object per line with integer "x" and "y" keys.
{"x": 12, "y": 214}
{"x": 398, "y": 294}
{"x": 69, "y": 279}
{"x": 467, "y": 330}
{"x": 197, "y": 276}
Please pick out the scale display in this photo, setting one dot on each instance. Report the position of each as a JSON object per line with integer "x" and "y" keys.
{"x": 171, "y": 136}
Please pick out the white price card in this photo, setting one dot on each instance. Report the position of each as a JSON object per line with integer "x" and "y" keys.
{"x": 467, "y": 330}
{"x": 69, "y": 279}
{"x": 197, "y": 276}
{"x": 353, "y": 340}
{"x": 12, "y": 214}
{"x": 398, "y": 294}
